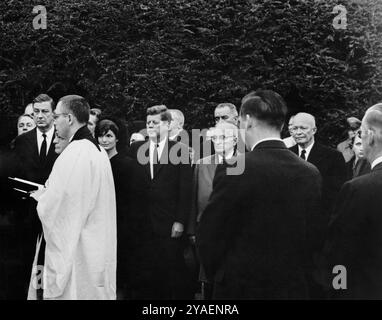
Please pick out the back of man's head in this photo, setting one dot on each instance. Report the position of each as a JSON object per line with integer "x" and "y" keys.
{"x": 373, "y": 121}
{"x": 165, "y": 114}
{"x": 78, "y": 106}
{"x": 265, "y": 106}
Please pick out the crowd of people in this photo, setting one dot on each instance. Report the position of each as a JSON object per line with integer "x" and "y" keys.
{"x": 232, "y": 212}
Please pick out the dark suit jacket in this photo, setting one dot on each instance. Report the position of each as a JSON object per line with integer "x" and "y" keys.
{"x": 362, "y": 167}
{"x": 331, "y": 165}
{"x": 355, "y": 237}
{"x": 204, "y": 173}
{"x": 31, "y": 168}
{"x": 168, "y": 195}
{"x": 259, "y": 228}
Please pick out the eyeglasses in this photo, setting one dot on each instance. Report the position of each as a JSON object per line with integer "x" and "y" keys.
{"x": 224, "y": 118}
{"x": 57, "y": 115}
{"x": 222, "y": 137}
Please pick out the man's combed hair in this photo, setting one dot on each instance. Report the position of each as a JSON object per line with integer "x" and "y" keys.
{"x": 78, "y": 106}
{"x": 162, "y": 110}
{"x": 43, "y": 97}
{"x": 265, "y": 105}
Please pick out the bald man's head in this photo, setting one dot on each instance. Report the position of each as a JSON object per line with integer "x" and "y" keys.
{"x": 303, "y": 129}
{"x": 371, "y": 132}
{"x": 373, "y": 117}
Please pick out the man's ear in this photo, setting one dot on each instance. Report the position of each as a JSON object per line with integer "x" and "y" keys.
{"x": 314, "y": 130}
{"x": 250, "y": 122}
{"x": 70, "y": 117}
{"x": 370, "y": 137}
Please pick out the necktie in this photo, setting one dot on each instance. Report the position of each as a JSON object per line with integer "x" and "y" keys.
{"x": 302, "y": 155}
{"x": 43, "y": 149}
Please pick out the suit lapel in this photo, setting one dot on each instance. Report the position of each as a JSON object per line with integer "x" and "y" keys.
{"x": 146, "y": 146}
{"x": 34, "y": 146}
{"x": 51, "y": 153}
{"x": 315, "y": 155}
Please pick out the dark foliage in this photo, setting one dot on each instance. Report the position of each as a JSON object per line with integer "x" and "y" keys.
{"x": 127, "y": 55}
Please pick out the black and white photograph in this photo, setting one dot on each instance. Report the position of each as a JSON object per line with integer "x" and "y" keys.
{"x": 197, "y": 151}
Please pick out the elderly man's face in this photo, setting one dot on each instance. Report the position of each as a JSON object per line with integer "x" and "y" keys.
{"x": 365, "y": 136}
{"x": 60, "y": 143}
{"x": 224, "y": 140}
{"x": 61, "y": 121}
{"x": 25, "y": 124}
{"x": 156, "y": 128}
{"x": 43, "y": 115}
{"x": 302, "y": 131}
{"x": 92, "y": 123}
{"x": 224, "y": 114}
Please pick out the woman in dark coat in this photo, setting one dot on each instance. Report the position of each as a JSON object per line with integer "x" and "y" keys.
{"x": 131, "y": 218}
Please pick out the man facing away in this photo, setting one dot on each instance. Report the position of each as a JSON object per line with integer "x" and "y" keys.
{"x": 77, "y": 210}
{"x": 355, "y": 237}
{"x": 257, "y": 232}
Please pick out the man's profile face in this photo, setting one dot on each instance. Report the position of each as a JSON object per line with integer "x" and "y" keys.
{"x": 61, "y": 121}
{"x": 92, "y": 123}
{"x": 224, "y": 114}
{"x": 357, "y": 147}
{"x": 174, "y": 124}
{"x": 243, "y": 130}
{"x": 302, "y": 131}
{"x": 364, "y": 133}
{"x": 60, "y": 143}
{"x": 43, "y": 115}
{"x": 156, "y": 127}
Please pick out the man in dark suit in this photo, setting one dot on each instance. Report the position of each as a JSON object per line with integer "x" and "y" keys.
{"x": 258, "y": 231}
{"x": 355, "y": 238}
{"x": 225, "y": 136}
{"x": 329, "y": 162}
{"x": 35, "y": 151}
{"x": 168, "y": 177}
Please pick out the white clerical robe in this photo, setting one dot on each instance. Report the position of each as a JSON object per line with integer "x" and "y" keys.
{"x": 78, "y": 215}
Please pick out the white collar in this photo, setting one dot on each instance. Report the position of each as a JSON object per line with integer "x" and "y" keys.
{"x": 49, "y": 133}
{"x": 307, "y": 150}
{"x": 265, "y": 139}
{"x": 229, "y": 156}
{"x": 376, "y": 161}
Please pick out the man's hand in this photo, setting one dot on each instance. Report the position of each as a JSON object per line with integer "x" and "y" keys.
{"x": 177, "y": 230}
{"x": 37, "y": 193}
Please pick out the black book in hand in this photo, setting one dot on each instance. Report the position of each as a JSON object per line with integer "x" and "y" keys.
{"x": 24, "y": 186}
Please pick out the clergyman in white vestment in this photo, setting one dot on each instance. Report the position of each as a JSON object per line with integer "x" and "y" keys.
{"x": 77, "y": 210}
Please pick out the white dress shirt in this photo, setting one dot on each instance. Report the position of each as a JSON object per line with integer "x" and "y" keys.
{"x": 40, "y": 138}
{"x": 307, "y": 151}
{"x": 376, "y": 161}
{"x": 161, "y": 145}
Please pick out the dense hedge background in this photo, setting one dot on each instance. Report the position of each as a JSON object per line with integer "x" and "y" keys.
{"x": 127, "y": 55}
